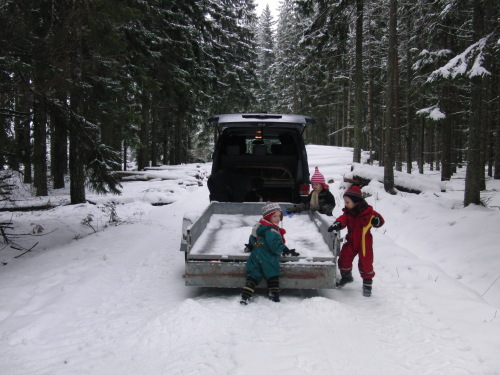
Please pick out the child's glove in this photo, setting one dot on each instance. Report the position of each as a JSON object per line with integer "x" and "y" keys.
{"x": 376, "y": 222}
{"x": 248, "y": 248}
{"x": 288, "y": 212}
{"x": 290, "y": 252}
{"x": 335, "y": 226}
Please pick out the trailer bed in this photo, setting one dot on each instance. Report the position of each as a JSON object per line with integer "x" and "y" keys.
{"x": 214, "y": 245}
{"x": 227, "y": 235}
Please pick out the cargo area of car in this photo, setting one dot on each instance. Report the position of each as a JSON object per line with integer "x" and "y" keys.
{"x": 258, "y": 163}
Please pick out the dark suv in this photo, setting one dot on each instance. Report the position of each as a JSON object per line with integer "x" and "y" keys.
{"x": 259, "y": 157}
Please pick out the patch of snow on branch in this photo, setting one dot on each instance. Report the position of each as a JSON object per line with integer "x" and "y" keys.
{"x": 434, "y": 113}
{"x": 473, "y": 56}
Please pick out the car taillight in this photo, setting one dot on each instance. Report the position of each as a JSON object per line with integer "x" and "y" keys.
{"x": 304, "y": 189}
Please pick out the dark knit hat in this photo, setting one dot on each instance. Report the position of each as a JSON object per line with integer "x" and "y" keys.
{"x": 354, "y": 193}
{"x": 318, "y": 178}
{"x": 269, "y": 209}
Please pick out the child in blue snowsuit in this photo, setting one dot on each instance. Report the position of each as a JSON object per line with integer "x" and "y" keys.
{"x": 268, "y": 242}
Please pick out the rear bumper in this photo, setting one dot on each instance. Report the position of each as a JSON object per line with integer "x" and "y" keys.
{"x": 317, "y": 275}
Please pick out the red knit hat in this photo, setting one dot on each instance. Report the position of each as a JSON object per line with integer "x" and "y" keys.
{"x": 354, "y": 193}
{"x": 269, "y": 209}
{"x": 318, "y": 178}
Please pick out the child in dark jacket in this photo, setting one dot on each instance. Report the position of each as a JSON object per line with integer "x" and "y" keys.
{"x": 320, "y": 199}
{"x": 267, "y": 242}
{"x": 358, "y": 217}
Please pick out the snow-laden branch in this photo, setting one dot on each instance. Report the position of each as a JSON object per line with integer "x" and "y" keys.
{"x": 469, "y": 62}
{"x": 434, "y": 113}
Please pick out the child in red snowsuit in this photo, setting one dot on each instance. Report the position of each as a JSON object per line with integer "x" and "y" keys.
{"x": 358, "y": 217}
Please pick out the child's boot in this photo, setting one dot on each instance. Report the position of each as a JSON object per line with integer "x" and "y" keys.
{"x": 248, "y": 290}
{"x": 274, "y": 296}
{"x": 346, "y": 279}
{"x": 273, "y": 285}
{"x": 367, "y": 287}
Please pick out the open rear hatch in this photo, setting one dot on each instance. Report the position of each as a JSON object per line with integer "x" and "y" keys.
{"x": 259, "y": 153}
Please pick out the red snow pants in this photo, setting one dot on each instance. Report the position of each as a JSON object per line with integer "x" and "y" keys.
{"x": 365, "y": 260}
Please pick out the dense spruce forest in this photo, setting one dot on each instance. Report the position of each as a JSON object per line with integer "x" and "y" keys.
{"x": 94, "y": 86}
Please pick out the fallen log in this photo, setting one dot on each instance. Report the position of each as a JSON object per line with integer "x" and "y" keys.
{"x": 35, "y": 207}
{"x": 139, "y": 176}
{"x": 361, "y": 181}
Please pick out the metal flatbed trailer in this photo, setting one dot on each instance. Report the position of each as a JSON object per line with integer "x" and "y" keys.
{"x": 206, "y": 267}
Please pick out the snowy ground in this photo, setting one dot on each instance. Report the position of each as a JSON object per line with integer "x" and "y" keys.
{"x": 94, "y": 297}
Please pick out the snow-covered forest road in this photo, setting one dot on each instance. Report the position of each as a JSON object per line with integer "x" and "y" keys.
{"x": 114, "y": 302}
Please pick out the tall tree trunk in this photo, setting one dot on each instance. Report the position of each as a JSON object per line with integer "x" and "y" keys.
{"x": 5, "y": 149}
{"x": 474, "y": 174}
{"x": 77, "y": 170}
{"x": 27, "y": 152}
{"x": 166, "y": 139}
{"x": 429, "y": 145}
{"x": 496, "y": 173}
{"x": 437, "y": 148}
{"x": 455, "y": 148}
{"x": 491, "y": 21}
{"x": 383, "y": 134}
{"x": 495, "y": 92}
{"x": 154, "y": 135}
{"x": 15, "y": 154}
{"x": 76, "y": 154}
{"x": 396, "y": 127}
{"x": 143, "y": 150}
{"x": 391, "y": 99}
{"x": 446, "y": 137}
{"x": 40, "y": 147}
{"x": 110, "y": 135}
{"x": 483, "y": 131}
{"x": 76, "y": 151}
{"x": 124, "y": 154}
{"x": 490, "y": 153}
{"x": 23, "y": 136}
{"x": 408, "y": 97}
{"x": 358, "y": 78}
{"x": 421, "y": 142}
{"x": 348, "y": 121}
{"x": 369, "y": 119}
{"x": 18, "y": 125}
{"x": 179, "y": 139}
{"x": 59, "y": 149}
{"x": 370, "y": 104}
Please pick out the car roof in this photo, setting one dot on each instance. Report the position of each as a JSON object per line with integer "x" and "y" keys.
{"x": 261, "y": 118}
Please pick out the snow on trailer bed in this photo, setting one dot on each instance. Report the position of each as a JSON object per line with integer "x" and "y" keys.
{"x": 226, "y": 235}
{"x": 214, "y": 245}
